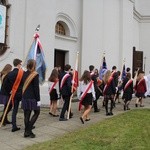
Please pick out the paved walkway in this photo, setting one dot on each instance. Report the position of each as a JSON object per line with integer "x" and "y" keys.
{"x": 48, "y": 127}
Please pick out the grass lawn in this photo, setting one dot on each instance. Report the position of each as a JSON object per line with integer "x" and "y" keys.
{"x": 128, "y": 131}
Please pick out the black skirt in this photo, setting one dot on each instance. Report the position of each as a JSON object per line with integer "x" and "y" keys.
{"x": 29, "y": 104}
{"x": 53, "y": 95}
{"x": 127, "y": 96}
{"x": 87, "y": 99}
{"x": 139, "y": 95}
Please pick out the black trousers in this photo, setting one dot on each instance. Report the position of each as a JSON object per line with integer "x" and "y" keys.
{"x": 95, "y": 102}
{"x": 14, "y": 112}
{"x": 29, "y": 120}
{"x": 65, "y": 106}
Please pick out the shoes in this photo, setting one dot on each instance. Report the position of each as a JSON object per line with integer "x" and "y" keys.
{"x": 128, "y": 108}
{"x": 136, "y": 105}
{"x": 124, "y": 107}
{"x": 55, "y": 115}
{"x": 107, "y": 114}
{"x": 82, "y": 120}
{"x": 15, "y": 129}
{"x": 141, "y": 105}
{"x": 50, "y": 113}
{"x": 31, "y": 135}
{"x": 88, "y": 119}
{"x": 97, "y": 110}
{"x": 62, "y": 119}
{"x": 111, "y": 113}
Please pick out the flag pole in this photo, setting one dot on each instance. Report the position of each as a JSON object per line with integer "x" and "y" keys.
{"x": 36, "y": 32}
{"x": 4, "y": 115}
{"x": 135, "y": 77}
{"x": 76, "y": 68}
{"x": 122, "y": 68}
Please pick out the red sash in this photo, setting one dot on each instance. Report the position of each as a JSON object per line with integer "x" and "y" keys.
{"x": 63, "y": 80}
{"x": 107, "y": 85}
{"x": 140, "y": 81}
{"x": 52, "y": 87}
{"x": 84, "y": 94}
{"x": 16, "y": 84}
{"x": 127, "y": 84}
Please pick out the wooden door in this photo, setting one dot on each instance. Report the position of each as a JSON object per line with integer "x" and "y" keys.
{"x": 137, "y": 60}
{"x": 59, "y": 58}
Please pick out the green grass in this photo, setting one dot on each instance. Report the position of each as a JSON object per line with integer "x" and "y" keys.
{"x": 128, "y": 131}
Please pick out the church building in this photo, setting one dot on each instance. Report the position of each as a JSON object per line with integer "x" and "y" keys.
{"x": 118, "y": 29}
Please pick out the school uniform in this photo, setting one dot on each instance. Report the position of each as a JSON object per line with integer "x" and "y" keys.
{"x": 127, "y": 89}
{"x": 30, "y": 98}
{"x": 97, "y": 91}
{"x": 4, "y": 97}
{"x": 11, "y": 77}
{"x": 65, "y": 91}
{"x": 109, "y": 92}
{"x": 90, "y": 95}
{"x": 140, "y": 88}
{"x": 54, "y": 93}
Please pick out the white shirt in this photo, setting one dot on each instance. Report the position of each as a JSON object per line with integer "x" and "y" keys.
{"x": 82, "y": 87}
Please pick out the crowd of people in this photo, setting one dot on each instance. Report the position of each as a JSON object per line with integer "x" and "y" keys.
{"x": 22, "y": 86}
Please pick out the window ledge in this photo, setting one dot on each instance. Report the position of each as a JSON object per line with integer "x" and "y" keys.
{"x": 66, "y": 37}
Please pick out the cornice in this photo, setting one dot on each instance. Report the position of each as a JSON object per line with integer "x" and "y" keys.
{"x": 140, "y": 18}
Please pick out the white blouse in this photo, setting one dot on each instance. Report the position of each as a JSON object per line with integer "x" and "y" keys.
{"x": 82, "y": 87}
{"x": 55, "y": 87}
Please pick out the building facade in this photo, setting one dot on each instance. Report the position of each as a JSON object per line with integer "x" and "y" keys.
{"x": 118, "y": 28}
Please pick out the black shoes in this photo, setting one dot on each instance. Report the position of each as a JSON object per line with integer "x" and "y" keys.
{"x": 109, "y": 114}
{"x": 31, "y": 135}
{"x": 15, "y": 129}
{"x": 82, "y": 120}
{"x": 88, "y": 119}
{"x": 97, "y": 110}
{"x": 62, "y": 119}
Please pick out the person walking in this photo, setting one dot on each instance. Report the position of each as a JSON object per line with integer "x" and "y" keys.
{"x": 30, "y": 98}
{"x": 86, "y": 95}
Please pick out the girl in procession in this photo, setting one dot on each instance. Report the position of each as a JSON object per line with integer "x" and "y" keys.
{"x": 53, "y": 92}
{"x": 109, "y": 91}
{"x": 86, "y": 95}
{"x": 31, "y": 98}
{"x": 127, "y": 86}
{"x": 140, "y": 89}
{"x": 4, "y": 96}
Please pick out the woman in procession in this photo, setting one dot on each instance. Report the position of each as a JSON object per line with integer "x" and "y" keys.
{"x": 140, "y": 89}
{"x": 4, "y": 96}
{"x": 31, "y": 98}
{"x": 109, "y": 91}
{"x": 127, "y": 86}
{"x": 86, "y": 95}
{"x": 53, "y": 92}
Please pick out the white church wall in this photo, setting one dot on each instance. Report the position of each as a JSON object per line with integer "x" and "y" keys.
{"x": 92, "y": 34}
{"x": 145, "y": 45}
{"x": 111, "y": 27}
{"x": 136, "y": 34}
{"x": 126, "y": 43}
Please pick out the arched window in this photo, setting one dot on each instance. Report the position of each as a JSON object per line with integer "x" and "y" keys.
{"x": 4, "y": 18}
{"x": 59, "y": 29}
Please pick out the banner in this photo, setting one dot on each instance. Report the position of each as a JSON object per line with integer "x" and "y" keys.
{"x": 2, "y": 23}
